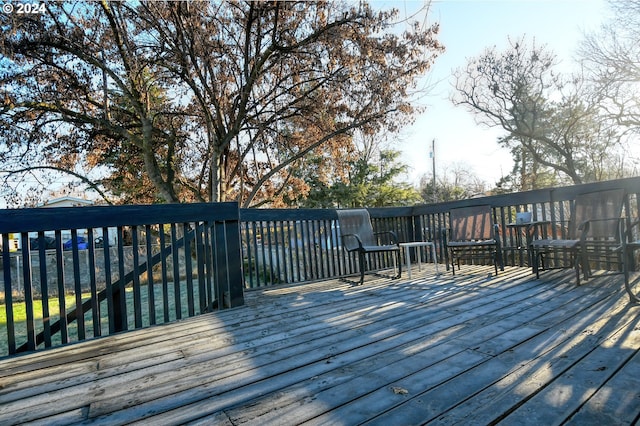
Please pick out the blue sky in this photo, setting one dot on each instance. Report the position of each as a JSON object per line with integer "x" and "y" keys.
{"x": 467, "y": 27}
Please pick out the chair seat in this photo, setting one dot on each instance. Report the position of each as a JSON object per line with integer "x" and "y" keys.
{"x": 566, "y": 244}
{"x": 374, "y": 249}
{"x": 471, "y": 243}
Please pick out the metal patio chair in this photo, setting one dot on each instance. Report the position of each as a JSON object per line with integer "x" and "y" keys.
{"x": 357, "y": 235}
{"x": 473, "y": 233}
{"x": 594, "y": 232}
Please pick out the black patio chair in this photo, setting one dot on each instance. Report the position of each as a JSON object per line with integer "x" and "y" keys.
{"x": 473, "y": 233}
{"x": 357, "y": 235}
{"x": 593, "y": 233}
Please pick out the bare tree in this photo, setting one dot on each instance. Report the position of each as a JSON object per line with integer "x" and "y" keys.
{"x": 612, "y": 57}
{"x": 456, "y": 182}
{"x": 555, "y": 121}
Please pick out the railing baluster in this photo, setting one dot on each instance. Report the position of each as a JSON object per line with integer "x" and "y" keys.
{"x": 314, "y": 243}
{"x": 165, "y": 279}
{"x": 151, "y": 296}
{"x": 119, "y": 297}
{"x": 306, "y": 249}
{"x": 93, "y": 284}
{"x": 200, "y": 263}
{"x": 62, "y": 304}
{"x": 282, "y": 253}
{"x": 28, "y": 291}
{"x": 290, "y": 244}
{"x": 209, "y": 264}
{"x": 75, "y": 256}
{"x": 273, "y": 269}
{"x": 111, "y": 307}
{"x": 176, "y": 274}
{"x": 253, "y": 248}
{"x": 264, "y": 252}
{"x": 322, "y": 242}
{"x": 337, "y": 248}
{"x": 8, "y": 294}
{"x": 275, "y": 249}
{"x": 44, "y": 289}
{"x": 188, "y": 269}
{"x": 137, "y": 293}
{"x": 220, "y": 268}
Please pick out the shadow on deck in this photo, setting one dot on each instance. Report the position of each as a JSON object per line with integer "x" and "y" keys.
{"x": 470, "y": 349}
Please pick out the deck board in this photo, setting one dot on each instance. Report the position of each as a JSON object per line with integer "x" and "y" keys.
{"x": 432, "y": 349}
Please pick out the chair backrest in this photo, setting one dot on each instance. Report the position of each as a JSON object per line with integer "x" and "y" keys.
{"x": 471, "y": 223}
{"x": 603, "y": 209}
{"x": 356, "y": 221}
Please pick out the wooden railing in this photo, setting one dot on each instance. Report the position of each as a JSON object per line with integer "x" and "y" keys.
{"x": 300, "y": 245}
{"x": 122, "y": 267}
{"x": 156, "y": 264}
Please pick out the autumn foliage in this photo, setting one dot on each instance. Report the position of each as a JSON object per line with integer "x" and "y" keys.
{"x": 194, "y": 101}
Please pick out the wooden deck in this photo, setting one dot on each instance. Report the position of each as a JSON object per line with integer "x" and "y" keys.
{"x": 470, "y": 349}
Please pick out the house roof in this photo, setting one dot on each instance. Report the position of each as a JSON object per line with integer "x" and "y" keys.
{"x": 66, "y": 201}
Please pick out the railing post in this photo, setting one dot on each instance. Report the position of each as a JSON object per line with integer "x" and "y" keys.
{"x": 236, "y": 277}
{"x": 227, "y": 258}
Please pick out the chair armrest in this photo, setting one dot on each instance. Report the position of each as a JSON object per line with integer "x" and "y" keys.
{"x": 496, "y": 229}
{"x": 444, "y": 236}
{"x": 585, "y": 226}
{"x": 583, "y": 229}
{"x": 356, "y": 236}
{"x": 394, "y": 236}
{"x": 626, "y": 235}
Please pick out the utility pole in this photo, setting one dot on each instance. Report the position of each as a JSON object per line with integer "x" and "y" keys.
{"x": 433, "y": 158}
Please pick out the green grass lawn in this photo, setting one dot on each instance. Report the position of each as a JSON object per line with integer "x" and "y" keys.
{"x": 20, "y": 309}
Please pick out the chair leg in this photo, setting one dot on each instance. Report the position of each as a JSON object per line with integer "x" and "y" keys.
{"x": 399, "y": 264}
{"x": 632, "y": 297}
{"x": 584, "y": 261}
{"x": 362, "y": 259}
{"x": 453, "y": 262}
{"x": 537, "y": 256}
{"x": 435, "y": 257}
